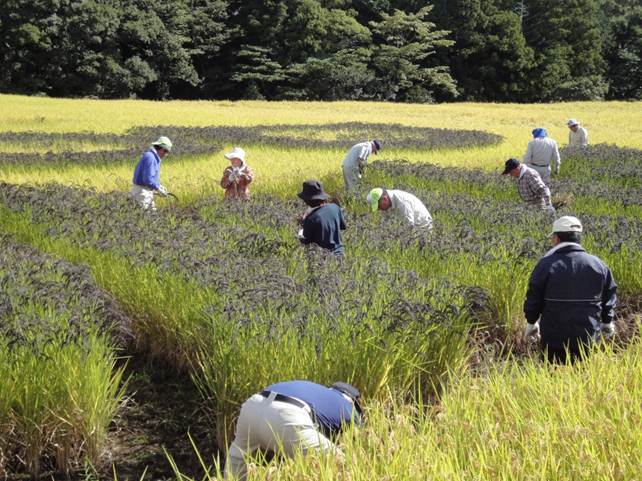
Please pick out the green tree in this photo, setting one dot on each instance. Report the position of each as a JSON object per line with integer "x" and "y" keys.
{"x": 622, "y": 27}
{"x": 342, "y": 75}
{"x": 490, "y": 59}
{"x": 404, "y": 44}
{"x": 277, "y": 43}
{"x": 567, "y": 42}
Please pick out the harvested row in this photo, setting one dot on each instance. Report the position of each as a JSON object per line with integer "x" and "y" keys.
{"x": 204, "y": 140}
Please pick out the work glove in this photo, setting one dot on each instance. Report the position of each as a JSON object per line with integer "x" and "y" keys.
{"x": 607, "y": 329}
{"x": 235, "y": 175}
{"x": 162, "y": 191}
{"x": 531, "y": 330}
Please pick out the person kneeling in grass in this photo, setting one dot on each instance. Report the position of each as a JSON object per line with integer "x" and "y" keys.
{"x": 292, "y": 416}
{"x": 323, "y": 221}
{"x": 404, "y": 204}
{"x": 572, "y": 295}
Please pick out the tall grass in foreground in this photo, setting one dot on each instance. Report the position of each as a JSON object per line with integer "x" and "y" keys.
{"x": 56, "y": 403}
{"x": 527, "y": 421}
{"x": 360, "y": 322}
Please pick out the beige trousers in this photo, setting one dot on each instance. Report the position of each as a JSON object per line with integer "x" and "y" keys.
{"x": 270, "y": 425}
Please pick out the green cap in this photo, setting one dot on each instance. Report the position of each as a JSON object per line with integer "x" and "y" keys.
{"x": 373, "y": 198}
{"x": 164, "y": 143}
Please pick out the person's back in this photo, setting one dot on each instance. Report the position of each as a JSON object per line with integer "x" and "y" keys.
{"x": 331, "y": 408}
{"x": 323, "y": 227}
{"x": 358, "y": 151}
{"x": 532, "y": 189}
{"x": 410, "y": 208}
{"x": 568, "y": 285}
{"x": 542, "y": 151}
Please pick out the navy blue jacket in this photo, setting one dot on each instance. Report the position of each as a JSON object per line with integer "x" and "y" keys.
{"x": 323, "y": 226}
{"x": 331, "y": 409}
{"x": 571, "y": 292}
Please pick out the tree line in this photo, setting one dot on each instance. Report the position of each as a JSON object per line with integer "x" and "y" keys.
{"x": 397, "y": 50}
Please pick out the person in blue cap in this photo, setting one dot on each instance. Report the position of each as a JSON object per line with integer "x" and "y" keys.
{"x": 356, "y": 160}
{"x": 146, "y": 179}
{"x": 542, "y": 154}
{"x": 292, "y": 416}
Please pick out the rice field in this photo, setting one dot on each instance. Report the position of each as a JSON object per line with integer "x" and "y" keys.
{"x": 223, "y": 296}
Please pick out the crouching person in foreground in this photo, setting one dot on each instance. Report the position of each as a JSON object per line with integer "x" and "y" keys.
{"x": 292, "y": 416}
{"x": 571, "y": 296}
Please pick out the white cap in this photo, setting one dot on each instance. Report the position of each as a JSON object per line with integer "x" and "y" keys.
{"x": 164, "y": 143}
{"x": 568, "y": 223}
{"x": 237, "y": 153}
{"x": 572, "y": 122}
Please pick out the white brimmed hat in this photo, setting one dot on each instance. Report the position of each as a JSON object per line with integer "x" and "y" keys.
{"x": 237, "y": 153}
{"x": 572, "y": 122}
{"x": 568, "y": 223}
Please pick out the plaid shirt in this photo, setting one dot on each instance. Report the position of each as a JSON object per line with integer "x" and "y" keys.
{"x": 532, "y": 189}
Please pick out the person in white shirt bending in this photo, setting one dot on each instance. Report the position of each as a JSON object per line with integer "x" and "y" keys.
{"x": 404, "y": 204}
{"x": 542, "y": 151}
{"x": 577, "y": 135}
{"x": 356, "y": 160}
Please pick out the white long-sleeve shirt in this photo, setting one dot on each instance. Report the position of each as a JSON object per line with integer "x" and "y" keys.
{"x": 357, "y": 152}
{"x": 543, "y": 152}
{"x": 410, "y": 208}
{"x": 579, "y": 138}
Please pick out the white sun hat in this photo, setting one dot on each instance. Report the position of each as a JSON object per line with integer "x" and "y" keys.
{"x": 237, "y": 153}
{"x": 568, "y": 223}
{"x": 572, "y": 122}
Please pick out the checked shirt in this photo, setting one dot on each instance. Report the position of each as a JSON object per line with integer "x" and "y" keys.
{"x": 532, "y": 189}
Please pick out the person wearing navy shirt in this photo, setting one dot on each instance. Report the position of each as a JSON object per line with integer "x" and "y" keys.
{"x": 572, "y": 294}
{"x": 146, "y": 179}
{"x": 323, "y": 221}
{"x": 290, "y": 416}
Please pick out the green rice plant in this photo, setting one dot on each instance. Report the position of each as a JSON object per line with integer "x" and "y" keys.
{"x": 60, "y": 386}
{"x": 521, "y": 421}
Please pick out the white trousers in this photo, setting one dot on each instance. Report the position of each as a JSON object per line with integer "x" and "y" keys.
{"x": 270, "y": 425}
{"x": 351, "y": 177}
{"x": 144, "y": 196}
{"x": 544, "y": 172}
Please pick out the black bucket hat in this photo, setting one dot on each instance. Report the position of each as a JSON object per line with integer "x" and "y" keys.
{"x": 510, "y": 165}
{"x": 350, "y": 391}
{"x": 313, "y": 190}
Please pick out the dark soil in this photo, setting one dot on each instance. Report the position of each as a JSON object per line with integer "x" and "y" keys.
{"x": 161, "y": 411}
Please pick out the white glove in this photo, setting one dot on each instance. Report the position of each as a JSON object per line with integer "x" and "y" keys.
{"x": 162, "y": 191}
{"x": 300, "y": 235}
{"x": 607, "y": 329}
{"x": 234, "y": 175}
{"x": 531, "y": 330}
